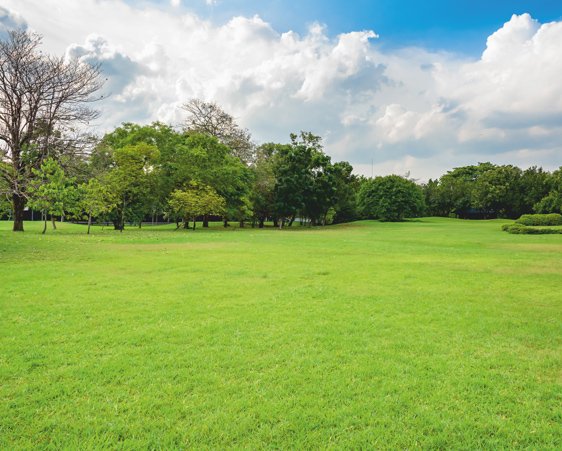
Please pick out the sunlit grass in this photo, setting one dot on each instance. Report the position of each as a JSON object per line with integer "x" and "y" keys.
{"x": 436, "y": 333}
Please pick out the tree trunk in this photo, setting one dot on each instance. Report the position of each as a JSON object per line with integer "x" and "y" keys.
{"x": 205, "y": 221}
{"x": 122, "y": 225}
{"x": 241, "y": 224}
{"x": 19, "y": 205}
{"x": 225, "y": 223}
{"x": 53, "y": 222}
{"x": 275, "y": 222}
{"x": 193, "y": 223}
{"x": 89, "y": 222}
{"x": 44, "y": 223}
{"x": 292, "y": 220}
{"x": 260, "y": 224}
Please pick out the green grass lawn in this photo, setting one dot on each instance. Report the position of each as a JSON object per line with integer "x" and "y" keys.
{"x": 436, "y": 333}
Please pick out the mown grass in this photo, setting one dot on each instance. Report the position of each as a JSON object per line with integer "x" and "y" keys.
{"x": 436, "y": 333}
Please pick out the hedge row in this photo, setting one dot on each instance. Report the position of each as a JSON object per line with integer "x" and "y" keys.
{"x": 552, "y": 219}
{"x": 520, "y": 229}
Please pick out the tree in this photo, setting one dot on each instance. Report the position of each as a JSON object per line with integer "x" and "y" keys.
{"x": 38, "y": 94}
{"x": 96, "y": 198}
{"x": 204, "y": 159}
{"x": 498, "y": 191}
{"x": 552, "y": 202}
{"x": 390, "y": 198}
{"x": 534, "y": 187}
{"x": 263, "y": 196}
{"x": 210, "y": 119}
{"x": 196, "y": 200}
{"x": 51, "y": 192}
{"x": 455, "y": 193}
{"x": 131, "y": 181}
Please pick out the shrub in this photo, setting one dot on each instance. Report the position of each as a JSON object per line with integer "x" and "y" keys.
{"x": 552, "y": 219}
{"x": 520, "y": 229}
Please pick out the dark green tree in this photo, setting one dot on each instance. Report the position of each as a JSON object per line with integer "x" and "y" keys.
{"x": 552, "y": 202}
{"x": 498, "y": 191}
{"x": 390, "y": 198}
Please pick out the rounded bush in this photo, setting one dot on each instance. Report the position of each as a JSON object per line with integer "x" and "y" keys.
{"x": 520, "y": 229}
{"x": 552, "y": 219}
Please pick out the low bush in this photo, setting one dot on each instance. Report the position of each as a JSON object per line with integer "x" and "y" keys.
{"x": 520, "y": 229}
{"x": 552, "y": 219}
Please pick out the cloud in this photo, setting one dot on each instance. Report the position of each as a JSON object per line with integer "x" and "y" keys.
{"x": 403, "y": 110}
{"x": 10, "y": 20}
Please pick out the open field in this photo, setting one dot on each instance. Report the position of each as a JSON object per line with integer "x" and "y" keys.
{"x": 436, "y": 333}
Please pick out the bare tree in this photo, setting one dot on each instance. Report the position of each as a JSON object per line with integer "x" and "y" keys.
{"x": 41, "y": 97}
{"x": 211, "y": 119}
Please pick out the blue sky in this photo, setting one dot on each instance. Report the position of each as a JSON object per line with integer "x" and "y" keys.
{"x": 453, "y": 25}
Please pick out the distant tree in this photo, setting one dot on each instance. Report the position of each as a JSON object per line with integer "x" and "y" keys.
{"x": 131, "y": 180}
{"x": 534, "y": 186}
{"x": 96, "y": 199}
{"x": 552, "y": 202}
{"x": 455, "y": 192}
{"x": 263, "y": 189}
{"x": 390, "y": 198}
{"x": 38, "y": 94}
{"x": 498, "y": 191}
{"x": 210, "y": 119}
{"x": 163, "y": 137}
{"x": 51, "y": 192}
{"x": 346, "y": 187}
{"x": 204, "y": 159}
{"x": 241, "y": 211}
{"x": 194, "y": 201}
{"x": 436, "y": 199}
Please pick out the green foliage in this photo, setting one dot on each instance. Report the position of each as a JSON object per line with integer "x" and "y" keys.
{"x": 456, "y": 187}
{"x": 498, "y": 190}
{"x": 51, "y": 191}
{"x": 552, "y": 202}
{"x": 196, "y": 200}
{"x": 132, "y": 180}
{"x": 5, "y": 206}
{"x": 96, "y": 199}
{"x": 521, "y": 229}
{"x": 390, "y": 198}
{"x": 552, "y": 219}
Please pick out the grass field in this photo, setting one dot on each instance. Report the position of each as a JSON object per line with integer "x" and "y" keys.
{"x": 436, "y": 333}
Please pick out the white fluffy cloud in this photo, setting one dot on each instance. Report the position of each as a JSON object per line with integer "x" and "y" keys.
{"x": 406, "y": 110}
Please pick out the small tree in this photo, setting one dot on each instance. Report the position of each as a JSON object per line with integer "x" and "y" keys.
{"x": 51, "y": 192}
{"x": 240, "y": 212}
{"x": 96, "y": 199}
{"x": 196, "y": 200}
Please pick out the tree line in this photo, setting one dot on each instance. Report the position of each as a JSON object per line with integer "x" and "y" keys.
{"x": 207, "y": 169}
